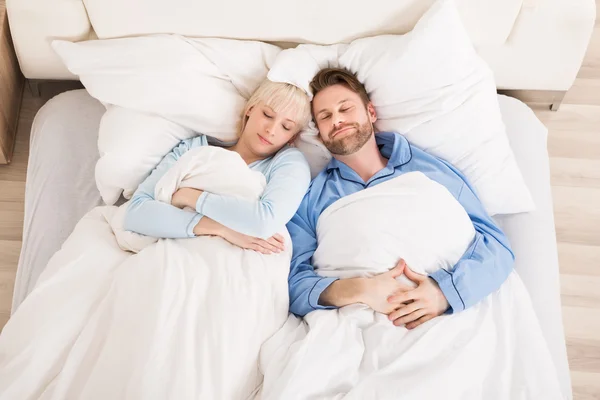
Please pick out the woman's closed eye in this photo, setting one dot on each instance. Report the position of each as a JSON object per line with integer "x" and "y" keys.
{"x": 267, "y": 115}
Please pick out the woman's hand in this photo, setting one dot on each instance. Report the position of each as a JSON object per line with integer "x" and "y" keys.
{"x": 207, "y": 226}
{"x": 275, "y": 244}
{"x": 186, "y": 197}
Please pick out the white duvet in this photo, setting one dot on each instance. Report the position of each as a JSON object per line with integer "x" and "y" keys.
{"x": 181, "y": 319}
{"x": 202, "y": 319}
{"x": 494, "y": 350}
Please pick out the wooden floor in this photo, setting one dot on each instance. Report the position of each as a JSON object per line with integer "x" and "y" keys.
{"x": 574, "y": 147}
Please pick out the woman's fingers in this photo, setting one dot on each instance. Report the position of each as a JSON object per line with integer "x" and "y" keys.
{"x": 279, "y": 238}
{"x": 268, "y": 246}
{"x": 257, "y": 247}
{"x": 277, "y": 242}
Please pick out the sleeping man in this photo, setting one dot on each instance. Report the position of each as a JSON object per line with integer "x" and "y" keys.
{"x": 362, "y": 159}
{"x": 404, "y": 285}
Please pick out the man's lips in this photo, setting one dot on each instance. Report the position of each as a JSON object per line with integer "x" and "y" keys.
{"x": 343, "y": 130}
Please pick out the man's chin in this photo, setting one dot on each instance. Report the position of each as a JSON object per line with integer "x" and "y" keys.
{"x": 343, "y": 149}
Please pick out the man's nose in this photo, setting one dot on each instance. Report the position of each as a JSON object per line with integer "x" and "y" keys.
{"x": 338, "y": 121}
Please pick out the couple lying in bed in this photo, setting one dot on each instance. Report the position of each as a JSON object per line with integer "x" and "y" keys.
{"x": 386, "y": 236}
{"x": 273, "y": 116}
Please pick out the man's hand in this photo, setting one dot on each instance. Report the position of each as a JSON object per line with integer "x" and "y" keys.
{"x": 419, "y": 305}
{"x": 378, "y": 289}
{"x": 186, "y": 197}
{"x": 373, "y": 292}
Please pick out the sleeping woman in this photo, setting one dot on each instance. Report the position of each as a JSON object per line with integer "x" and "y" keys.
{"x": 272, "y": 118}
{"x": 182, "y": 319}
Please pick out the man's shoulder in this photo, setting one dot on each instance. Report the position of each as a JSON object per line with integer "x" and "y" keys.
{"x": 319, "y": 181}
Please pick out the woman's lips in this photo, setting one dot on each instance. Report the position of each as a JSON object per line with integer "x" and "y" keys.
{"x": 263, "y": 140}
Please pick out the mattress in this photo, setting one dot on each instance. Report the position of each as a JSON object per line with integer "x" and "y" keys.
{"x": 60, "y": 189}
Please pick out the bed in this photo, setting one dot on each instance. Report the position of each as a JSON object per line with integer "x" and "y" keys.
{"x": 532, "y": 235}
{"x": 60, "y": 184}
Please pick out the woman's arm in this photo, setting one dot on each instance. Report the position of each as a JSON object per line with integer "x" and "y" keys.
{"x": 209, "y": 227}
{"x": 150, "y": 217}
{"x": 285, "y": 189}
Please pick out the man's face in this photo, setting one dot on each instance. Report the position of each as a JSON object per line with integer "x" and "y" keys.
{"x": 344, "y": 123}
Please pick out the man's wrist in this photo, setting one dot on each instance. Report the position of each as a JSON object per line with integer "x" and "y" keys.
{"x": 344, "y": 292}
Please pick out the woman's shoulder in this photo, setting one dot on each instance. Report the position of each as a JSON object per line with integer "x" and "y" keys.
{"x": 195, "y": 141}
{"x": 290, "y": 155}
{"x": 289, "y": 162}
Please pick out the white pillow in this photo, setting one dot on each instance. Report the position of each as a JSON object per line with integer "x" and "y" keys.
{"x": 431, "y": 86}
{"x": 131, "y": 144}
{"x": 159, "y": 90}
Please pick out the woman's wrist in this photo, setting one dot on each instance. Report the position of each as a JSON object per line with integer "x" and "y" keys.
{"x": 186, "y": 197}
{"x": 192, "y": 197}
{"x": 207, "y": 226}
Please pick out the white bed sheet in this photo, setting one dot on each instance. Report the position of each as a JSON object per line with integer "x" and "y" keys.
{"x": 61, "y": 188}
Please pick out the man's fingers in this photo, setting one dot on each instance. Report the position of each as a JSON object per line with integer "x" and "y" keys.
{"x": 422, "y": 320}
{"x": 403, "y": 297}
{"x": 413, "y": 276}
{"x": 403, "y": 288}
{"x": 405, "y": 310}
{"x": 398, "y": 269}
{"x": 413, "y": 316}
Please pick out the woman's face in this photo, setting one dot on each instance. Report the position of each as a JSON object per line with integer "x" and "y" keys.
{"x": 266, "y": 131}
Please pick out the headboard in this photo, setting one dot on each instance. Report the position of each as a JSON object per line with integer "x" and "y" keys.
{"x": 529, "y": 44}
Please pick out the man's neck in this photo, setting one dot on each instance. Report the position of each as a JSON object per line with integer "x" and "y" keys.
{"x": 367, "y": 161}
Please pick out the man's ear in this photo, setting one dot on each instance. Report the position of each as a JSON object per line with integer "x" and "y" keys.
{"x": 372, "y": 113}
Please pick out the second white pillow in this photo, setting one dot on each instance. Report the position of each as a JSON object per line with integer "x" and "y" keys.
{"x": 430, "y": 86}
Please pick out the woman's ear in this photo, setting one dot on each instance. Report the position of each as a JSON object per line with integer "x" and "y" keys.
{"x": 293, "y": 139}
{"x": 249, "y": 111}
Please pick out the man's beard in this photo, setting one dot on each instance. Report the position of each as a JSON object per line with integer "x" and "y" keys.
{"x": 349, "y": 144}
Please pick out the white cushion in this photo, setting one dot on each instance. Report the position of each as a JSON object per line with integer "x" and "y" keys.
{"x": 159, "y": 90}
{"x": 488, "y": 21}
{"x": 431, "y": 86}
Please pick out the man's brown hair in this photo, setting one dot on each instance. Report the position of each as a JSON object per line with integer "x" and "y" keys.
{"x": 338, "y": 76}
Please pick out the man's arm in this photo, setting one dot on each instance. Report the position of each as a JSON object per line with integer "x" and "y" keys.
{"x": 309, "y": 291}
{"x": 305, "y": 286}
{"x": 485, "y": 265}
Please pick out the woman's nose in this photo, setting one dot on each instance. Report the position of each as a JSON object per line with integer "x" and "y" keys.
{"x": 270, "y": 127}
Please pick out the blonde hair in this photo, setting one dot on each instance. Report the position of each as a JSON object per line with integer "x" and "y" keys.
{"x": 281, "y": 97}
